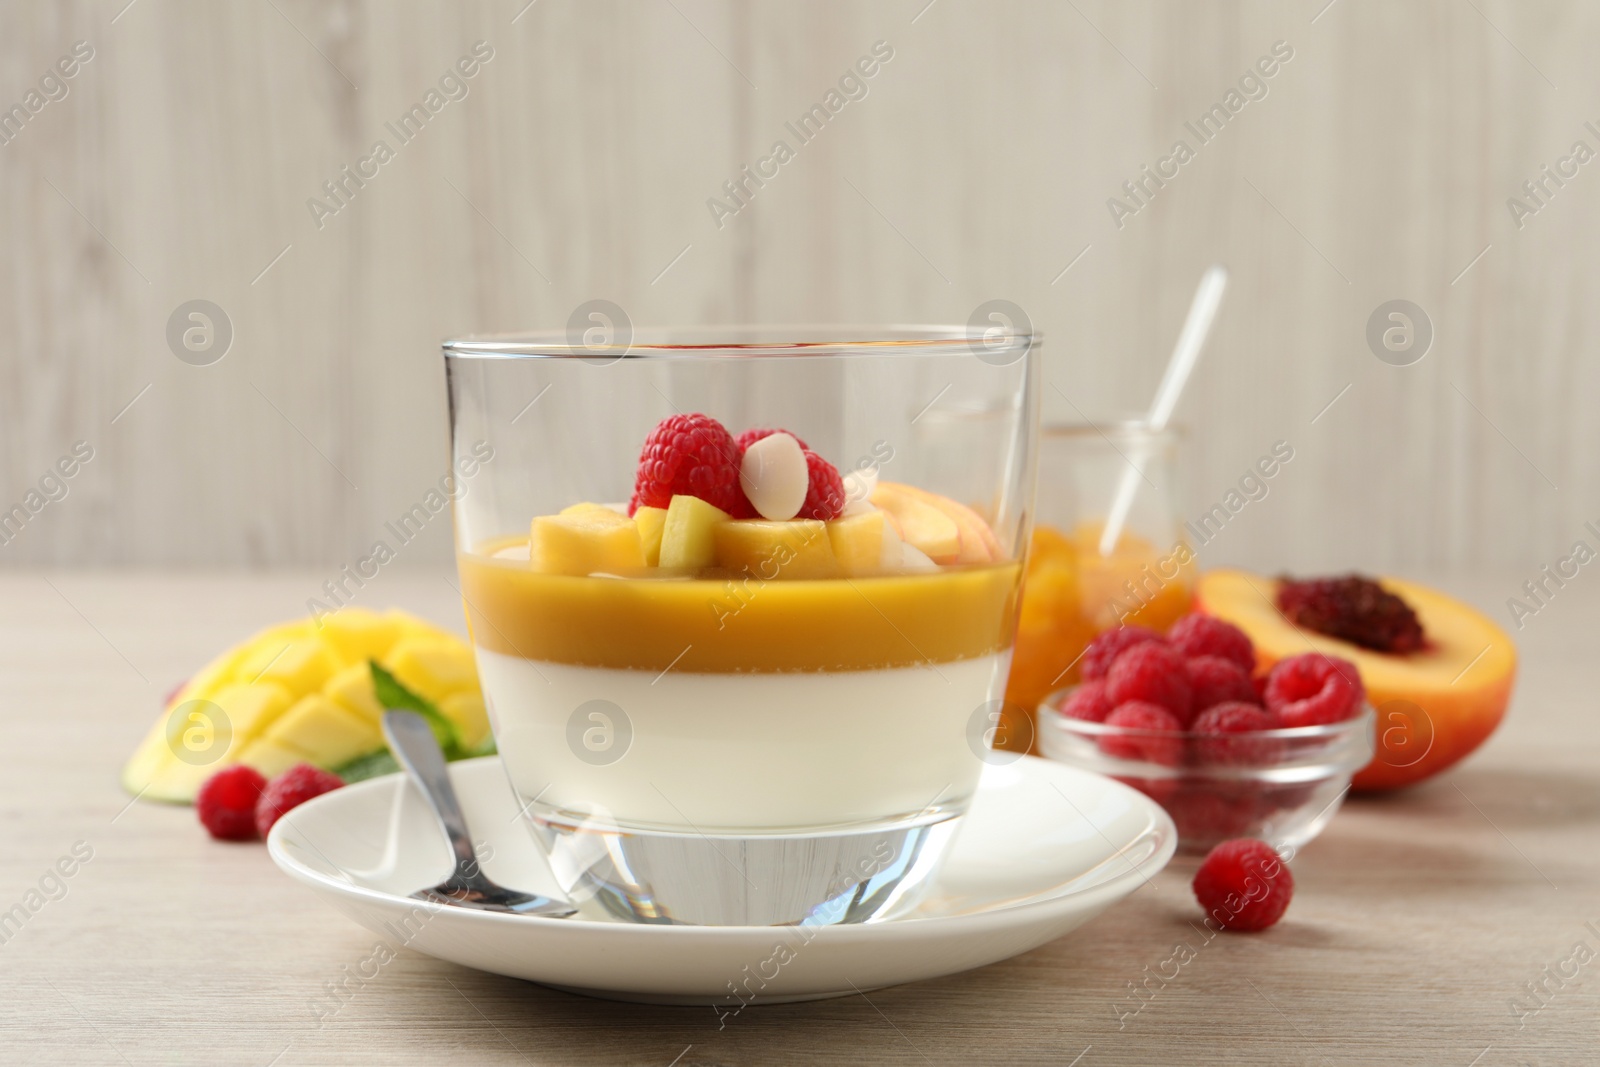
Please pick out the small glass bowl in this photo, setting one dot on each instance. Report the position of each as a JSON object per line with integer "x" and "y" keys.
{"x": 1281, "y": 786}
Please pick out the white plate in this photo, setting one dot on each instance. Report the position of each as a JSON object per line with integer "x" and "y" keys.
{"x": 1044, "y": 849}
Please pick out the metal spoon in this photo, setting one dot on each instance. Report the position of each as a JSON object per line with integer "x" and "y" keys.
{"x": 413, "y": 744}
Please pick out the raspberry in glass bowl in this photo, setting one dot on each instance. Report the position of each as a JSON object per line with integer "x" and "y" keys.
{"x": 1227, "y": 755}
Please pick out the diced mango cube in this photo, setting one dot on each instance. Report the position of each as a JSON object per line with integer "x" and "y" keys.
{"x": 798, "y": 548}
{"x": 466, "y": 710}
{"x": 251, "y": 708}
{"x": 356, "y": 635}
{"x": 300, "y": 665}
{"x": 270, "y": 757}
{"x": 580, "y": 542}
{"x": 858, "y": 542}
{"x": 433, "y": 668}
{"x": 324, "y": 733}
{"x": 650, "y": 521}
{"x": 352, "y": 690}
{"x": 687, "y": 533}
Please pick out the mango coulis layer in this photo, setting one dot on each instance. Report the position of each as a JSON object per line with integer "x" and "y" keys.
{"x": 740, "y": 624}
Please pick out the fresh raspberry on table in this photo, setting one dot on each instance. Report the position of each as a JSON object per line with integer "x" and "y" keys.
{"x": 1244, "y": 885}
{"x": 1154, "y": 672}
{"x": 291, "y": 789}
{"x": 1106, "y": 647}
{"x": 690, "y": 455}
{"x": 1221, "y": 721}
{"x": 1155, "y": 737}
{"x": 1217, "y": 681}
{"x": 1204, "y": 635}
{"x": 226, "y": 802}
{"x": 1087, "y": 702}
{"x": 1314, "y": 690}
{"x": 750, "y": 437}
{"x": 824, "y": 489}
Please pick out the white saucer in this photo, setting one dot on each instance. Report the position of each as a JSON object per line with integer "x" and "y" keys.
{"x": 1044, "y": 849}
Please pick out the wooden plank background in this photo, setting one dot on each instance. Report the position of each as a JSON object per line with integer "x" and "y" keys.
{"x": 979, "y": 164}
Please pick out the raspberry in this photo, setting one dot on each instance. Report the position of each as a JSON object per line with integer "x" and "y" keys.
{"x": 1104, "y": 649}
{"x": 1216, "y": 680}
{"x": 689, "y": 455}
{"x": 291, "y": 789}
{"x": 1203, "y": 635}
{"x": 750, "y": 437}
{"x": 824, "y": 492}
{"x": 1205, "y": 815}
{"x": 1353, "y": 609}
{"x": 1244, "y": 885}
{"x": 1314, "y": 689}
{"x": 1153, "y": 672}
{"x": 1154, "y": 737}
{"x": 226, "y": 802}
{"x": 1087, "y": 702}
{"x": 1236, "y": 717}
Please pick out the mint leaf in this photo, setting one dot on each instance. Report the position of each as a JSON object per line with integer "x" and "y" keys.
{"x": 372, "y": 765}
{"x": 391, "y": 694}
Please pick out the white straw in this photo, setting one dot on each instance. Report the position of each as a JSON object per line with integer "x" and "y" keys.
{"x": 1202, "y": 313}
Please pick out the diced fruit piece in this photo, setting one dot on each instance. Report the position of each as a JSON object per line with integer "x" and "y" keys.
{"x": 1314, "y": 690}
{"x": 580, "y": 543}
{"x": 270, "y": 757}
{"x": 1203, "y": 635}
{"x": 323, "y": 732}
{"x": 1152, "y": 672}
{"x": 587, "y": 507}
{"x": 1153, "y": 734}
{"x": 1107, "y": 646}
{"x": 688, "y": 535}
{"x": 226, "y": 803}
{"x": 299, "y": 665}
{"x": 433, "y": 668}
{"x": 774, "y": 476}
{"x": 1244, "y": 885}
{"x": 351, "y": 689}
{"x": 291, "y": 789}
{"x": 1434, "y": 705}
{"x": 922, "y": 525}
{"x": 356, "y": 635}
{"x": 690, "y": 455}
{"x": 1087, "y": 702}
{"x": 466, "y": 710}
{"x": 866, "y": 544}
{"x": 650, "y": 522}
{"x": 824, "y": 498}
{"x": 1216, "y": 681}
{"x": 766, "y": 550}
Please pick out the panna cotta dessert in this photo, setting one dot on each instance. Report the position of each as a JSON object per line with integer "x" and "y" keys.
{"x": 754, "y": 644}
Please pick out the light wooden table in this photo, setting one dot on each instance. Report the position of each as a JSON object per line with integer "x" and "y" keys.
{"x": 1420, "y": 918}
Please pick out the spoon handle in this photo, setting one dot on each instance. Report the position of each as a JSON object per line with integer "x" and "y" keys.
{"x": 412, "y": 741}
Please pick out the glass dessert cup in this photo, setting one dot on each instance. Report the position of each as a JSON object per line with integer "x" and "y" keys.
{"x": 738, "y": 715}
{"x": 1072, "y": 591}
{"x": 1282, "y": 786}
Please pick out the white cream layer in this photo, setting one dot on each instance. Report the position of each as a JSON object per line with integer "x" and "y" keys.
{"x": 730, "y": 753}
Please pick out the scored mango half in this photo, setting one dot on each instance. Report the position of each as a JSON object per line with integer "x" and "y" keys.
{"x": 302, "y": 692}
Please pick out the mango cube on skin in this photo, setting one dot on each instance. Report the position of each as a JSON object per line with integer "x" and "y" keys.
{"x": 300, "y": 665}
{"x": 651, "y": 521}
{"x": 583, "y": 540}
{"x": 466, "y": 710}
{"x": 767, "y": 550}
{"x": 433, "y": 668}
{"x": 687, "y": 535}
{"x": 251, "y": 707}
{"x": 271, "y": 758}
{"x": 352, "y": 690}
{"x": 866, "y": 544}
{"x": 356, "y": 635}
{"x": 323, "y": 732}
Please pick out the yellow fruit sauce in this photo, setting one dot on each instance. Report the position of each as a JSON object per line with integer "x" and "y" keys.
{"x": 738, "y": 623}
{"x": 1070, "y": 594}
